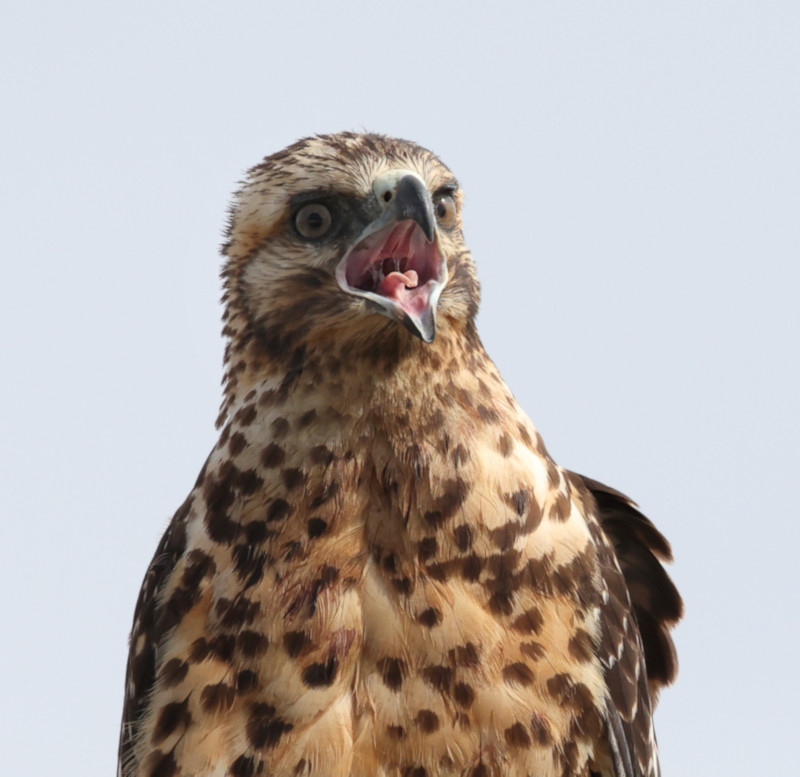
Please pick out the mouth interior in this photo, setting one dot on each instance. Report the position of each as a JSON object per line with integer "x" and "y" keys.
{"x": 397, "y": 263}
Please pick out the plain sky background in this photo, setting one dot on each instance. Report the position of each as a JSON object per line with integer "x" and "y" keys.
{"x": 632, "y": 175}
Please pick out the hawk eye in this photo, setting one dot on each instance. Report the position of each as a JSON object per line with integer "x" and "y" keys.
{"x": 445, "y": 208}
{"x": 313, "y": 221}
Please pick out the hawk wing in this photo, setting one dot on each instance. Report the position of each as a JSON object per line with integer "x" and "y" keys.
{"x": 150, "y": 622}
{"x": 636, "y": 649}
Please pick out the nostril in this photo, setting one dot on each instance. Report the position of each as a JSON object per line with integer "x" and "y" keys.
{"x": 387, "y": 196}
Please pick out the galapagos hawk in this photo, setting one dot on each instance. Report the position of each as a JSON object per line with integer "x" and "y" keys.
{"x": 380, "y": 571}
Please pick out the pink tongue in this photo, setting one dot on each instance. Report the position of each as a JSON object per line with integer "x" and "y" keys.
{"x": 393, "y": 283}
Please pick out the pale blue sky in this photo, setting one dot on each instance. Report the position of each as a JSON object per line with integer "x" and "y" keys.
{"x": 632, "y": 173}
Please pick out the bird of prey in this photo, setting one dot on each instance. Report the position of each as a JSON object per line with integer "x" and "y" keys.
{"x": 380, "y": 571}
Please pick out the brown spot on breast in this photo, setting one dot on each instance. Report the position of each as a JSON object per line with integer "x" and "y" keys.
{"x": 396, "y": 732}
{"x": 321, "y": 454}
{"x": 454, "y": 496}
{"x": 173, "y": 672}
{"x": 574, "y": 695}
{"x": 217, "y": 697}
{"x": 503, "y": 537}
{"x": 279, "y": 428}
{"x": 307, "y": 418}
{"x": 463, "y": 694}
{"x": 273, "y": 456}
{"x": 518, "y": 673}
{"x": 439, "y": 677}
{"x": 170, "y": 717}
{"x": 198, "y": 566}
{"x": 246, "y": 680}
{"x": 517, "y": 736}
{"x": 328, "y": 575}
{"x": 321, "y": 674}
{"x": 278, "y": 510}
{"x": 538, "y": 574}
{"x": 433, "y": 517}
{"x": 316, "y": 527}
{"x": 430, "y": 617}
{"x": 236, "y": 612}
{"x": 393, "y": 670}
{"x": 464, "y": 655}
{"x": 249, "y": 563}
{"x": 501, "y": 603}
{"x": 237, "y": 443}
{"x": 505, "y": 445}
{"x": 442, "y": 570}
{"x": 580, "y": 646}
{"x": 246, "y": 415}
{"x": 428, "y": 721}
{"x": 520, "y": 501}
{"x": 427, "y": 548}
{"x": 268, "y": 398}
{"x": 525, "y": 435}
{"x": 251, "y": 643}
{"x": 243, "y": 766}
{"x": 256, "y": 532}
{"x": 219, "y": 497}
{"x": 222, "y": 646}
{"x": 532, "y": 650}
{"x": 503, "y": 566}
{"x": 292, "y": 477}
{"x": 172, "y": 611}
{"x": 463, "y": 537}
{"x": 198, "y": 651}
{"x": 471, "y": 567}
{"x": 264, "y": 728}
{"x": 488, "y": 414}
{"x": 435, "y": 420}
{"x": 403, "y": 585}
{"x": 529, "y": 622}
{"x": 249, "y": 482}
{"x": 297, "y": 643}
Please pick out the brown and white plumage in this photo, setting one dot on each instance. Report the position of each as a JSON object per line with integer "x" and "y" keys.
{"x": 380, "y": 570}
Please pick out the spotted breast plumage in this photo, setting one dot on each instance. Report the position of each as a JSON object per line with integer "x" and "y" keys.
{"x": 380, "y": 571}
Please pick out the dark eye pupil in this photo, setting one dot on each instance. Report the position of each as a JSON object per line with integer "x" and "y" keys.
{"x": 441, "y": 210}
{"x": 313, "y": 221}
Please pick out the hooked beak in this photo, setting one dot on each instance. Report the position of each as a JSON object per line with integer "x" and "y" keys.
{"x": 396, "y": 263}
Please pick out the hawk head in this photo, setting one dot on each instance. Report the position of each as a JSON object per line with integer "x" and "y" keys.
{"x": 347, "y": 239}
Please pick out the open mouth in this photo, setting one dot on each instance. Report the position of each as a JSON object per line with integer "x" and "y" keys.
{"x": 400, "y": 270}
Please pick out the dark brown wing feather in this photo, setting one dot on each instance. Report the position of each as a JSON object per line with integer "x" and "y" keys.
{"x": 640, "y": 549}
{"x": 150, "y": 622}
{"x": 640, "y": 605}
